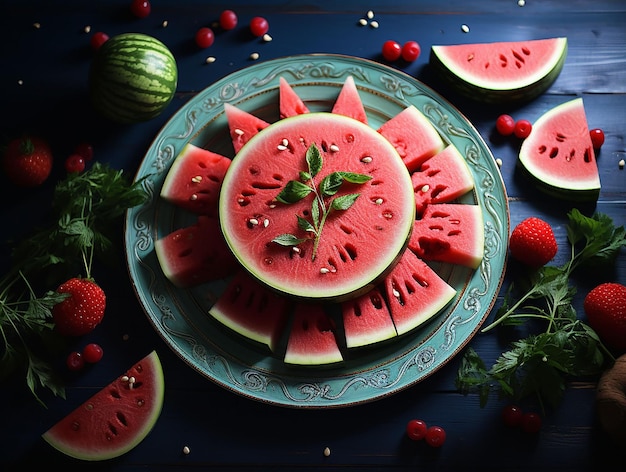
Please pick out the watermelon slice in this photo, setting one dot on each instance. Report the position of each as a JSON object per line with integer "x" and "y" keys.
{"x": 415, "y": 293}
{"x": 413, "y": 136}
{"x": 252, "y": 310}
{"x": 242, "y": 125}
{"x": 442, "y": 178}
{"x": 343, "y": 267}
{"x": 349, "y": 102}
{"x": 501, "y": 71}
{"x": 115, "y": 419}
{"x": 559, "y": 154}
{"x": 367, "y": 320}
{"x": 312, "y": 338}
{"x": 450, "y": 232}
{"x": 195, "y": 254}
{"x": 194, "y": 180}
{"x": 289, "y": 102}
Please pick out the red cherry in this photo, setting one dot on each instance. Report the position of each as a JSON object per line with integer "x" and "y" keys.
{"x": 140, "y": 8}
{"x": 512, "y": 415}
{"x": 204, "y": 37}
{"x": 75, "y": 361}
{"x": 98, "y": 39}
{"x": 259, "y": 26}
{"x": 416, "y": 429}
{"x": 505, "y": 124}
{"x": 531, "y": 422}
{"x": 391, "y": 50}
{"x": 75, "y": 163}
{"x": 411, "y": 51}
{"x": 435, "y": 436}
{"x": 228, "y": 20}
{"x": 597, "y": 137}
{"x": 522, "y": 129}
{"x": 92, "y": 353}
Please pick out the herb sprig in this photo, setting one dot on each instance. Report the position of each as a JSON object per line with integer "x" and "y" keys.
{"x": 564, "y": 346}
{"x": 296, "y": 190}
{"x": 85, "y": 209}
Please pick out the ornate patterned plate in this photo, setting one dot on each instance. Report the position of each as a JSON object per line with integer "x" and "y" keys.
{"x": 181, "y": 316}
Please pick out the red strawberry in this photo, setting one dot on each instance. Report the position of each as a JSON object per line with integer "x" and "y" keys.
{"x": 532, "y": 242}
{"x": 27, "y": 161}
{"x": 605, "y": 306}
{"x": 82, "y": 311}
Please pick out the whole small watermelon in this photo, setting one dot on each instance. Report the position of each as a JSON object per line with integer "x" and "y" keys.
{"x": 132, "y": 78}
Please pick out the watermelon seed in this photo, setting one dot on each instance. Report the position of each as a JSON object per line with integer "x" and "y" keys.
{"x": 465, "y": 28}
{"x": 324, "y": 270}
{"x": 425, "y": 188}
{"x": 253, "y": 222}
{"x": 197, "y": 179}
{"x": 621, "y": 163}
{"x": 366, "y": 159}
{"x": 470, "y": 57}
{"x": 186, "y": 450}
{"x": 238, "y": 132}
{"x": 267, "y": 38}
{"x": 326, "y": 451}
{"x": 193, "y": 198}
{"x": 334, "y": 148}
{"x": 75, "y": 426}
{"x": 266, "y": 223}
{"x": 388, "y": 215}
{"x": 124, "y": 378}
{"x": 378, "y": 201}
{"x": 210, "y": 60}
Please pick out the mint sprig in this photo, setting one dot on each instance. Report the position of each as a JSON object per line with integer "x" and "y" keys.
{"x": 562, "y": 345}
{"x": 321, "y": 208}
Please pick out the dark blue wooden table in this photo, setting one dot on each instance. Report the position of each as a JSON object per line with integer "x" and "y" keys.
{"x": 43, "y": 79}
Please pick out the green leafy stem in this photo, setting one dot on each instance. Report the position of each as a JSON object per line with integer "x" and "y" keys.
{"x": 296, "y": 190}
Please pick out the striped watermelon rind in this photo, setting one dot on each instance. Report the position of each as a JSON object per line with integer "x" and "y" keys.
{"x": 132, "y": 78}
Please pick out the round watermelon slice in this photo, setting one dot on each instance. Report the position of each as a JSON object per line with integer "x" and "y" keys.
{"x": 559, "y": 154}
{"x": 500, "y": 72}
{"x": 117, "y": 418}
{"x": 357, "y": 246}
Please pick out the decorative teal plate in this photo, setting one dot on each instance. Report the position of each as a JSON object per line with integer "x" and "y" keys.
{"x": 181, "y": 316}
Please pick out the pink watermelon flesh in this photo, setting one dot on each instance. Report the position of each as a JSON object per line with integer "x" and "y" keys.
{"x": 442, "y": 178}
{"x": 312, "y": 338}
{"x": 242, "y": 125}
{"x": 290, "y": 103}
{"x": 357, "y": 246}
{"x": 194, "y": 180}
{"x": 195, "y": 254}
{"x": 367, "y": 320}
{"x": 413, "y": 136}
{"x": 349, "y": 102}
{"x": 115, "y": 419}
{"x": 252, "y": 310}
{"x": 450, "y": 232}
{"x": 559, "y": 153}
{"x": 501, "y": 71}
{"x": 415, "y": 293}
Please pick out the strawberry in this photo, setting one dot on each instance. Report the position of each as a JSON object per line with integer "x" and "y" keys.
{"x": 27, "y": 161}
{"x": 532, "y": 242}
{"x": 82, "y": 311}
{"x": 605, "y": 306}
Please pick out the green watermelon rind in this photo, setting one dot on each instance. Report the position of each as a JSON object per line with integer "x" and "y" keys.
{"x": 553, "y": 185}
{"x": 53, "y": 436}
{"x": 494, "y": 93}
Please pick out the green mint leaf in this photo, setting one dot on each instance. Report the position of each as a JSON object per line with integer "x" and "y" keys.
{"x": 355, "y": 178}
{"x": 314, "y": 160}
{"x": 305, "y": 225}
{"x": 315, "y": 213}
{"x": 288, "y": 240}
{"x": 344, "y": 202}
{"x": 293, "y": 192}
{"x": 330, "y": 184}
{"x": 305, "y": 176}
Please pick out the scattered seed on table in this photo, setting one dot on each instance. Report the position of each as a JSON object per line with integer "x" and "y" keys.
{"x": 499, "y": 162}
{"x": 87, "y": 29}
{"x": 370, "y": 15}
{"x": 210, "y": 60}
{"x": 327, "y": 451}
{"x": 374, "y": 24}
{"x": 20, "y": 82}
{"x": 254, "y": 56}
{"x": 267, "y": 38}
{"x": 465, "y": 28}
{"x": 521, "y": 3}
{"x": 621, "y": 163}
{"x": 362, "y": 21}
{"x": 36, "y": 25}
{"x": 164, "y": 24}
{"x": 186, "y": 450}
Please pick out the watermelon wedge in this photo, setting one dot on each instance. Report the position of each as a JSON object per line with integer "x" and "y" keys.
{"x": 242, "y": 125}
{"x": 115, "y": 419}
{"x": 349, "y": 102}
{"x": 413, "y": 136}
{"x": 312, "y": 338}
{"x": 195, "y": 254}
{"x": 194, "y": 180}
{"x": 500, "y": 71}
{"x": 289, "y": 102}
{"x": 367, "y": 320}
{"x": 442, "y": 178}
{"x": 252, "y": 310}
{"x": 450, "y": 232}
{"x": 415, "y": 293}
{"x": 558, "y": 155}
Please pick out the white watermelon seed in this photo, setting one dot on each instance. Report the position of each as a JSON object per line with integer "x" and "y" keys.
{"x": 499, "y": 162}
{"x": 396, "y": 293}
{"x": 124, "y": 378}
{"x": 193, "y": 197}
{"x": 238, "y": 132}
{"x": 295, "y": 249}
{"x": 374, "y": 24}
{"x": 378, "y": 201}
{"x": 254, "y": 56}
{"x": 164, "y": 24}
{"x": 87, "y": 29}
{"x": 186, "y": 450}
{"x": 334, "y": 148}
{"x": 197, "y": 179}
{"x": 370, "y": 14}
{"x": 621, "y": 163}
{"x": 285, "y": 142}
{"x": 521, "y": 3}
{"x": 267, "y": 38}
{"x": 425, "y": 188}
{"x": 253, "y": 221}
{"x": 362, "y": 21}
{"x": 465, "y": 28}
{"x": 366, "y": 159}
{"x": 210, "y": 59}
{"x": 324, "y": 270}
{"x": 326, "y": 451}
{"x": 281, "y": 147}
{"x": 266, "y": 223}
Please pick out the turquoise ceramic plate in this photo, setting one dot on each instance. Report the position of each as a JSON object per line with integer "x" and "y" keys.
{"x": 181, "y": 316}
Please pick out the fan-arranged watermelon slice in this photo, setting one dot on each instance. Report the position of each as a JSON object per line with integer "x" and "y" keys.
{"x": 559, "y": 155}
{"x": 252, "y": 310}
{"x": 357, "y": 246}
{"x": 195, "y": 254}
{"x": 442, "y": 178}
{"x": 450, "y": 232}
{"x": 312, "y": 338}
{"x": 195, "y": 179}
{"x": 500, "y": 71}
{"x": 115, "y": 419}
{"x": 361, "y": 263}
